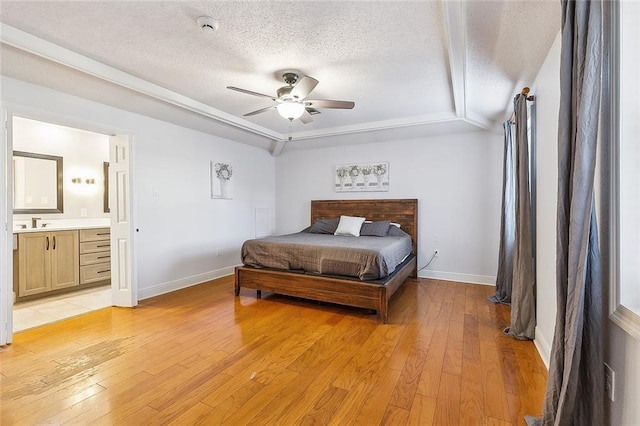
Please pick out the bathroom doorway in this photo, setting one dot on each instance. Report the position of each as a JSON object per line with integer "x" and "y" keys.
{"x": 75, "y": 205}
{"x": 84, "y": 181}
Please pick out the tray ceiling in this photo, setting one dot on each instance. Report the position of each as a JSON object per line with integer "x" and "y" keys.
{"x": 413, "y": 68}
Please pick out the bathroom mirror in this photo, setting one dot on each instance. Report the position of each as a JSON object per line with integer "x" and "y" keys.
{"x": 37, "y": 183}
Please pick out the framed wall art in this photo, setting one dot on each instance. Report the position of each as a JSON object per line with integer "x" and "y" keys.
{"x": 221, "y": 174}
{"x": 362, "y": 177}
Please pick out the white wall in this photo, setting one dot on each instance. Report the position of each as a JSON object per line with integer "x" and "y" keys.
{"x": 546, "y": 89}
{"x": 83, "y": 154}
{"x": 622, "y": 355}
{"x": 456, "y": 178}
{"x": 182, "y": 228}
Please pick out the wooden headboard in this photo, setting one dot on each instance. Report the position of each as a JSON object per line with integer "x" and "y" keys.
{"x": 404, "y": 212}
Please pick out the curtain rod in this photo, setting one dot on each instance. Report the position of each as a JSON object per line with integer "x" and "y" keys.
{"x": 525, "y": 92}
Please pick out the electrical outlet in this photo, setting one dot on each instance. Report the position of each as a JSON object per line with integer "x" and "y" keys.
{"x": 609, "y": 382}
{"x": 436, "y": 252}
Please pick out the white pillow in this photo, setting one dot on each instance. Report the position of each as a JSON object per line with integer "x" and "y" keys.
{"x": 349, "y": 225}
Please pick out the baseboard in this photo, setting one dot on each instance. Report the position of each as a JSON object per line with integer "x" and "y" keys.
{"x": 543, "y": 347}
{"x": 464, "y": 278}
{"x": 170, "y": 286}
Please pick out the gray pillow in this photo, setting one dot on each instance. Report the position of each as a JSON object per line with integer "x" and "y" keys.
{"x": 394, "y": 231}
{"x": 375, "y": 229}
{"x": 324, "y": 226}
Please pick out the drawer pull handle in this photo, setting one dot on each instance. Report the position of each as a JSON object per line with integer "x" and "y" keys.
{"x": 102, "y": 272}
{"x": 104, "y": 233}
{"x": 54, "y": 242}
{"x": 102, "y": 257}
{"x": 47, "y": 243}
{"x": 108, "y": 245}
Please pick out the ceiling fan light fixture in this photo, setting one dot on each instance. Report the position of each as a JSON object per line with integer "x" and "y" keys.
{"x": 291, "y": 100}
{"x": 290, "y": 109}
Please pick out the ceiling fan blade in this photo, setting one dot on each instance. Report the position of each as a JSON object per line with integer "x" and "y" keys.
{"x": 249, "y": 92}
{"x": 260, "y": 111}
{"x": 324, "y": 103}
{"x": 302, "y": 89}
{"x": 306, "y": 117}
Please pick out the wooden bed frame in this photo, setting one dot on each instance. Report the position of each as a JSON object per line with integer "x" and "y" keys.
{"x": 349, "y": 292}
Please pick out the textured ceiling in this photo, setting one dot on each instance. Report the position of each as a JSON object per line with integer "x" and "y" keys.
{"x": 393, "y": 58}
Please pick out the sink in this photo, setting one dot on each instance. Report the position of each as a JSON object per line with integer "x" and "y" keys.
{"x": 27, "y": 228}
{"x": 60, "y": 224}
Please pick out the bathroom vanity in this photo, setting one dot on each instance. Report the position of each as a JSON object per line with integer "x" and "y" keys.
{"x": 47, "y": 262}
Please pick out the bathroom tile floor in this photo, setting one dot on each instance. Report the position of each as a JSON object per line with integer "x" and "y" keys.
{"x": 35, "y": 313}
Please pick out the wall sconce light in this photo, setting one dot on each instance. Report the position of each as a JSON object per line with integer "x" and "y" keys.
{"x": 78, "y": 180}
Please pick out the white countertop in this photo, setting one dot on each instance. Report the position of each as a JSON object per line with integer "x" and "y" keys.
{"x": 61, "y": 225}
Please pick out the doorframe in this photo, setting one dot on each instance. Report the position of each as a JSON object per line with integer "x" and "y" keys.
{"x": 6, "y": 222}
{"x": 6, "y": 205}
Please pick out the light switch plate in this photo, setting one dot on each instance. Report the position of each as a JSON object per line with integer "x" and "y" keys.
{"x": 609, "y": 382}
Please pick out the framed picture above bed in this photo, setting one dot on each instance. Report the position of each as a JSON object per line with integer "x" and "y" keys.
{"x": 221, "y": 174}
{"x": 362, "y": 177}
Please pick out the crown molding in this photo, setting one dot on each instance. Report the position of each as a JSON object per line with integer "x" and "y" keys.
{"x": 50, "y": 51}
{"x": 481, "y": 121}
{"x": 455, "y": 14}
{"x": 375, "y": 126}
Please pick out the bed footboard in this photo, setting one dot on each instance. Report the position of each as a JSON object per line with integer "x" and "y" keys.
{"x": 325, "y": 289}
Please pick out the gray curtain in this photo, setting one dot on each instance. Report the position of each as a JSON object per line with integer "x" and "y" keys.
{"x": 575, "y": 387}
{"x": 504, "y": 278}
{"x": 515, "y": 279}
{"x": 523, "y": 302}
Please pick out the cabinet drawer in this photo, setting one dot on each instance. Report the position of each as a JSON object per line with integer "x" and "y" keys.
{"x": 93, "y": 258}
{"x": 95, "y": 246}
{"x": 92, "y": 273}
{"x": 97, "y": 234}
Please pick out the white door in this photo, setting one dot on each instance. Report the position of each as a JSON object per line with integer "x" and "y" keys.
{"x": 6, "y": 231}
{"x": 123, "y": 277}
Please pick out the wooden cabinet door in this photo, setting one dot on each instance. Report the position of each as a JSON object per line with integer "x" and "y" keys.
{"x": 65, "y": 259}
{"x": 34, "y": 263}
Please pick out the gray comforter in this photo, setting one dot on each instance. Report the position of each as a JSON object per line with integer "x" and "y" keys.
{"x": 367, "y": 258}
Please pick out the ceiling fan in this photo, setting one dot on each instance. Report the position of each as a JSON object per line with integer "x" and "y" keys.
{"x": 291, "y": 102}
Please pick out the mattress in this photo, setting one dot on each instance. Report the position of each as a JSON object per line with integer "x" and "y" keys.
{"x": 364, "y": 257}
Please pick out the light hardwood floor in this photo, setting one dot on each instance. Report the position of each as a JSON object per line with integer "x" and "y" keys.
{"x": 202, "y": 356}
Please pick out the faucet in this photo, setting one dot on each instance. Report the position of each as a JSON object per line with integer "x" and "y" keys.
{"x": 34, "y": 221}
